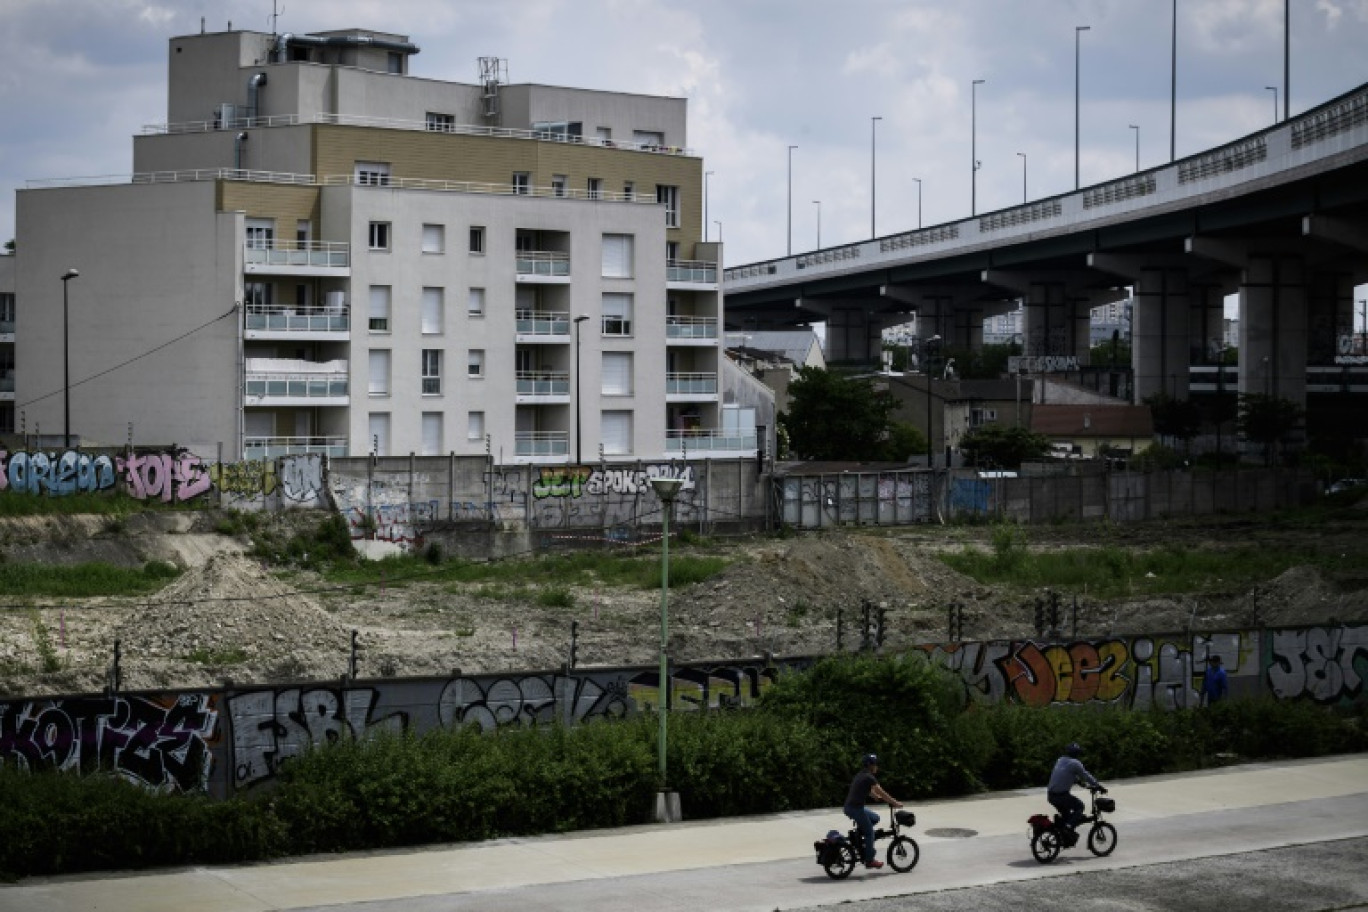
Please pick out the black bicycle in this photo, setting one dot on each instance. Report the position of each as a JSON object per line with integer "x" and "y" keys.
{"x": 1049, "y": 836}
{"x": 839, "y": 854}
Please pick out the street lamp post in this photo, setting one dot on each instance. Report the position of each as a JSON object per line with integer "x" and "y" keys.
{"x": 66, "y": 362}
{"x": 706, "y": 175}
{"x": 932, "y": 344}
{"x": 666, "y": 489}
{"x": 873, "y": 125}
{"x": 1274, "y": 90}
{"x": 578, "y": 452}
{"x": 1137, "y": 147}
{"x": 1078, "y": 35}
{"x": 917, "y": 181}
{"x": 790, "y": 202}
{"x": 818, "y": 204}
{"x": 719, "y": 230}
{"x": 1023, "y": 177}
{"x": 973, "y": 145}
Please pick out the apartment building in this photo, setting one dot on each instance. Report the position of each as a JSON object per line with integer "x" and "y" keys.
{"x": 319, "y": 251}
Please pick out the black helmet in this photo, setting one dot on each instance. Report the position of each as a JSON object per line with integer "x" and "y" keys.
{"x": 1073, "y": 750}
{"x": 869, "y": 760}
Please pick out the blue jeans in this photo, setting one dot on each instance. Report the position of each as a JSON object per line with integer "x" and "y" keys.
{"x": 864, "y": 819}
{"x": 1070, "y": 809}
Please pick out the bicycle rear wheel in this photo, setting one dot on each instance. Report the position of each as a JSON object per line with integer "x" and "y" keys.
{"x": 1045, "y": 846}
{"x": 903, "y": 854}
{"x": 839, "y": 862}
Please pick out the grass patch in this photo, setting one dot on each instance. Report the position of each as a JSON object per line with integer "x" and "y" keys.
{"x": 84, "y": 580}
{"x": 231, "y": 655}
{"x": 48, "y": 660}
{"x": 103, "y": 504}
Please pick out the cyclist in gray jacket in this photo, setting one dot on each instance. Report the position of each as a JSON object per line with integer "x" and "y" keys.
{"x": 1069, "y": 771}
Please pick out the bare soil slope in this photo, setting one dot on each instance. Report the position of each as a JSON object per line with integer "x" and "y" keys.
{"x": 229, "y": 617}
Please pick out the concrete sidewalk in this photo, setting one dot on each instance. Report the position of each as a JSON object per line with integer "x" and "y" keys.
{"x": 495, "y": 868}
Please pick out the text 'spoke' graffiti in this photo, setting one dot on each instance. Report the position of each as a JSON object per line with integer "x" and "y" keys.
{"x": 161, "y": 743}
{"x": 70, "y": 473}
{"x": 1327, "y": 664}
{"x": 577, "y": 481}
{"x": 269, "y": 727}
{"x": 180, "y": 476}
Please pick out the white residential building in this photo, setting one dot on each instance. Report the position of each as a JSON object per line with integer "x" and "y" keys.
{"x": 320, "y": 252}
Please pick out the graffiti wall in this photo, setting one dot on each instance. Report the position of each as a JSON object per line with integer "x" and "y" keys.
{"x": 177, "y": 476}
{"x": 857, "y": 498}
{"x": 221, "y": 741}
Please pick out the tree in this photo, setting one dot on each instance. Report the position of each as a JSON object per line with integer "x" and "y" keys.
{"x": 1179, "y": 419}
{"x": 833, "y": 416}
{"x": 1268, "y": 420}
{"x": 1000, "y": 445}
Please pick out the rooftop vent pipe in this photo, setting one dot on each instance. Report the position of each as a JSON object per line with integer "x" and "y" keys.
{"x": 283, "y": 43}
{"x": 254, "y": 95}
{"x": 238, "y": 143}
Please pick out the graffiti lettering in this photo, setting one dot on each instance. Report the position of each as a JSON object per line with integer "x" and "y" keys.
{"x": 301, "y": 476}
{"x": 181, "y": 476}
{"x": 1326, "y": 664}
{"x": 70, "y": 473}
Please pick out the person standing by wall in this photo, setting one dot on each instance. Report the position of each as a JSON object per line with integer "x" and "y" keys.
{"x": 1215, "y": 685}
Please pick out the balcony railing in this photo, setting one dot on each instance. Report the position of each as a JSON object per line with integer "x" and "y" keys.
{"x": 543, "y": 323}
{"x": 293, "y": 319}
{"x": 695, "y": 271}
{"x": 543, "y": 383}
{"x": 542, "y": 443}
{"x": 699, "y": 439}
{"x": 697, "y": 384}
{"x": 690, "y": 327}
{"x": 298, "y": 253}
{"x": 285, "y": 385}
{"x": 271, "y": 447}
{"x": 543, "y": 263}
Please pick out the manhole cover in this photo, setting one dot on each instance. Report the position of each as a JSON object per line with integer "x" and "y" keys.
{"x": 951, "y": 832}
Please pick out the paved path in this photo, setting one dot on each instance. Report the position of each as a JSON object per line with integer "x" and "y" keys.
{"x": 762, "y": 863}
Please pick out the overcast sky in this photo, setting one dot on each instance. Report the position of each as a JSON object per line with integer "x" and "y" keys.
{"x": 82, "y": 76}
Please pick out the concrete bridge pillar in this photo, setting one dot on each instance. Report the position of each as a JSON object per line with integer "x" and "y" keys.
{"x": 1159, "y": 335}
{"x": 1273, "y": 327}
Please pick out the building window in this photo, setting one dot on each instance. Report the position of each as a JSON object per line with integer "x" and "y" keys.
{"x": 256, "y": 295}
{"x": 475, "y": 304}
{"x": 395, "y": 62}
{"x": 617, "y": 256}
{"x": 615, "y": 431}
{"x": 672, "y": 250}
{"x": 475, "y": 362}
{"x": 669, "y": 197}
{"x": 617, "y": 314}
{"x": 432, "y": 371}
{"x": 434, "y": 238}
{"x": 595, "y": 187}
{"x": 605, "y": 134}
{"x": 477, "y": 240}
{"x": 379, "y": 381}
{"x": 629, "y": 191}
{"x": 558, "y": 185}
{"x": 650, "y": 138}
{"x": 378, "y": 424}
{"x": 379, "y": 236}
{"x": 260, "y": 233}
{"x": 432, "y": 434}
{"x": 440, "y": 123}
{"x": 373, "y": 174}
{"x": 522, "y": 182}
{"x": 617, "y": 373}
{"x": 432, "y": 311}
{"x": 379, "y": 309}
{"x": 475, "y": 426}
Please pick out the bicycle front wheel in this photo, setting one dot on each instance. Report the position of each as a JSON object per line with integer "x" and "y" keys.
{"x": 903, "y": 854}
{"x": 1102, "y": 839}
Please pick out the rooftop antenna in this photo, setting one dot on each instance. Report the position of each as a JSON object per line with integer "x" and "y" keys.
{"x": 275, "y": 17}
{"x": 493, "y": 73}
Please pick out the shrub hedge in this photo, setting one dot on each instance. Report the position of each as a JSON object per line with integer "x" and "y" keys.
{"x": 797, "y": 749}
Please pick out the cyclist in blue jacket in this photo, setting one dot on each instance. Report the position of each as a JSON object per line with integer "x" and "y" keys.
{"x": 1069, "y": 771}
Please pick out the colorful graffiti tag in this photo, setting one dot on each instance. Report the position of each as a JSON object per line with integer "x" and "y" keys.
{"x": 162, "y": 742}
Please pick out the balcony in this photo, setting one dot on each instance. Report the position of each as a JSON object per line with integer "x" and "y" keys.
{"x": 687, "y": 274}
{"x": 297, "y": 258}
{"x": 278, "y": 381}
{"x": 541, "y": 444}
{"x": 544, "y": 386}
{"x": 690, "y": 386}
{"x": 543, "y": 326}
{"x": 264, "y": 322}
{"x": 543, "y": 266}
{"x": 6, "y": 384}
{"x": 704, "y": 442}
{"x": 691, "y": 329}
{"x": 272, "y": 447}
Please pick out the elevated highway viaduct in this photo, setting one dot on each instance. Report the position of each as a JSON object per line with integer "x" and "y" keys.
{"x": 1278, "y": 218}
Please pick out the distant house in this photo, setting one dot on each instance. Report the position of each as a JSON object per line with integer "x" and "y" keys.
{"x": 774, "y": 357}
{"x": 1089, "y": 431}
